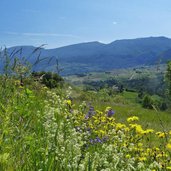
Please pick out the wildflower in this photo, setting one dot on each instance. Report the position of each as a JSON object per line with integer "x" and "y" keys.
{"x": 168, "y": 146}
{"x": 142, "y": 158}
{"x": 149, "y": 131}
{"x": 139, "y": 129}
{"x": 109, "y": 111}
{"x": 102, "y": 132}
{"x": 127, "y": 129}
{"x": 128, "y": 156}
{"x": 98, "y": 140}
{"x": 170, "y": 132}
{"x": 68, "y": 102}
{"x": 149, "y": 150}
{"x": 120, "y": 126}
{"x": 160, "y": 134}
{"x": 140, "y": 144}
{"x": 159, "y": 155}
{"x": 90, "y": 113}
{"x": 133, "y": 118}
{"x": 168, "y": 167}
{"x": 133, "y": 125}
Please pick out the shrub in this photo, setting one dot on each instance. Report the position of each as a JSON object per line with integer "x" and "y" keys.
{"x": 147, "y": 102}
{"x": 51, "y": 80}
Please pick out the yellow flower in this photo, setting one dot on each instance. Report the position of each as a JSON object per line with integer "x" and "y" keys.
{"x": 168, "y": 167}
{"x": 142, "y": 158}
{"x": 139, "y": 129}
{"x": 133, "y": 118}
{"x": 140, "y": 144}
{"x": 160, "y": 134}
{"x": 120, "y": 126}
{"x": 128, "y": 156}
{"x": 68, "y": 102}
{"x": 159, "y": 155}
{"x": 107, "y": 109}
{"x": 103, "y": 119}
{"x": 102, "y": 132}
{"x": 133, "y": 125}
{"x": 170, "y": 132}
{"x": 149, "y": 131}
{"x": 127, "y": 129}
{"x": 168, "y": 146}
{"x": 149, "y": 150}
{"x": 96, "y": 122}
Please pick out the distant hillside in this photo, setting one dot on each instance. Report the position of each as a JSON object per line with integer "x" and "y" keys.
{"x": 95, "y": 56}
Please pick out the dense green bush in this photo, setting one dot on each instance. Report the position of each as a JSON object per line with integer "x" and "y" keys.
{"x": 147, "y": 102}
{"x": 51, "y": 80}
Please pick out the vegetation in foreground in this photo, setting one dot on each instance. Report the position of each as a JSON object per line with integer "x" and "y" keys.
{"x": 41, "y": 129}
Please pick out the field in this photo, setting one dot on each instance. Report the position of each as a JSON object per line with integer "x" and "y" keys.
{"x": 67, "y": 128}
{"x": 118, "y": 74}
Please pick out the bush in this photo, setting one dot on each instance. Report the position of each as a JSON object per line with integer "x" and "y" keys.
{"x": 147, "y": 102}
{"x": 51, "y": 80}
{"x": 163, "y": 106}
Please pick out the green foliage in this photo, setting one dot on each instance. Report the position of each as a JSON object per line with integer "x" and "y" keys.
{"x": 51, "y": 80}
{"x": 147, "y": 102}
{"x": 156, "y": 101}
{"x": 150, "y": 79}
{"x": 163, "y": 106}
{"x": 14, "y": 66}
{"x": 168, "y": 77}
{"x": 42, "y": 130}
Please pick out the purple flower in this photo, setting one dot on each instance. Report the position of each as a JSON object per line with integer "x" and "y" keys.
{"x": 90, "y": 113}
{"x": 110, "y": 113}
{"x": 96, "y": 140}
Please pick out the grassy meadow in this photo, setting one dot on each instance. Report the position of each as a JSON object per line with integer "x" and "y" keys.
{"x": 66, "y": 128}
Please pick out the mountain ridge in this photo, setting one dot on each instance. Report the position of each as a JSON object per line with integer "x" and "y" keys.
{"x": 96, "y": 56}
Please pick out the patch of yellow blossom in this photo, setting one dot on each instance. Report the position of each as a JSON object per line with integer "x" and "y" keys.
{"x": 120, "y": 126}
{"x": 161, "y": 134}
{"x": 68, "y": 102}
{"x": 168, "y": 167}
{"x": 142, "y": 158}
{"x": 108, "y": 108}
{"x": 168, "y": 146}
{"x": 133, "y": 118}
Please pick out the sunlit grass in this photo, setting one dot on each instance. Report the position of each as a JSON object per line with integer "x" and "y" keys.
{"x": 44, "y": 129}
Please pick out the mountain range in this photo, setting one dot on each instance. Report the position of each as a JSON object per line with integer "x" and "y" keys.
{"x": 96, "y": 56}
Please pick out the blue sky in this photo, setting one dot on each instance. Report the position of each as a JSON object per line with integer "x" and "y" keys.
{"x": 63, "y": 22}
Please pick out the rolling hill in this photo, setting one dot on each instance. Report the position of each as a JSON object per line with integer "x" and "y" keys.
{"x": 96, "y": 56}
